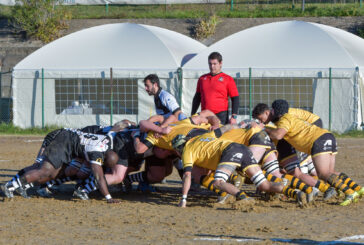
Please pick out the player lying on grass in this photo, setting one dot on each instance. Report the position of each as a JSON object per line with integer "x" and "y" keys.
{"x": 317, "y": 142}
{"x": 287, "y": 155}
{"x": 223, "y": 156}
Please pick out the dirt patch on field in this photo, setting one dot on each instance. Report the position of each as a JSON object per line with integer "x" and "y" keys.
{"x": 155, "y": 218}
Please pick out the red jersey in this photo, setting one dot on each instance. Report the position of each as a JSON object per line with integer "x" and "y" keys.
{"x": 215, "y": 91}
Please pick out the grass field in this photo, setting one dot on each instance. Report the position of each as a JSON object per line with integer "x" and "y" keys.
{"x": 254, "y": 9}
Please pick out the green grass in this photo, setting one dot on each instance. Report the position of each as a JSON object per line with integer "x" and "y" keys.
{"x": 10, "y": 129}
{"x": 351, "y": 134}
{"x": 183, "y": 11}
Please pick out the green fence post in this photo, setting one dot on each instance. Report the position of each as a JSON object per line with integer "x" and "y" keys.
{"x": 179, "y": 75}
{"x": 107, "y": 8}
{"x": 250, "y": 93}
{"x": 231, "y": 5}
{"x": 330, "y": 92}
{"x": 1, "y": 85}
{"x": 42, "y": 97}
{"x": 111, "y": 97}
{"x": 361, "y": 3}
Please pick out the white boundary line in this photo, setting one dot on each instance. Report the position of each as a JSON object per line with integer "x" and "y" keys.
{"x": 30, "y": 141}
{"x": 4, "y": 160}
{"x": 344, "y": 239}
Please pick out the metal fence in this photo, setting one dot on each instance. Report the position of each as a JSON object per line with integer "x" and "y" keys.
{"x": 5, "y": 97}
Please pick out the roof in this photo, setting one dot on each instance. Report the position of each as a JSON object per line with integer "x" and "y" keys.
{"x": 288, "y": 44}
{"x": 123, "y": 45}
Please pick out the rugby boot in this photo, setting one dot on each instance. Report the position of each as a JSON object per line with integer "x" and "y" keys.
{"x": 44, "y": 192}
{"x": 80, "y": 193}
{"x": 361, "y": 192}
{"x": 329, "y": 193}
{"x": 22, "y": 191}
{"x": 301, "y": 198}
{"x": 223, "y": 199}
{"x": 310, "y": 197}
{"x": 350, "y": 199}
{"x": 8, "y": 193}
{"x": 145, "y": 187}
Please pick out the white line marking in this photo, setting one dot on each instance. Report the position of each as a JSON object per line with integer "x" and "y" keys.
{"x": 4, "y": 160}
{"x": 30, "y": 141}
{"x": 227, "y": 240}
{"x": 357, "y": 237}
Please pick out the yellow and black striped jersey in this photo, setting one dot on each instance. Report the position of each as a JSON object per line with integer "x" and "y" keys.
{"x": 300, "y": 134}
{"x": 184, "y": 127}
{"x": 303, "y": 115}
{"x": 241, "y": 135}
{"x": 204, "y": 151}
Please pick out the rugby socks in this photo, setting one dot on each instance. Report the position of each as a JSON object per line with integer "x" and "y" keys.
{"x": 322, "y": 186}
{"x": 232, "y": 178}
{"x": 208, "y": 182}
{"x": 18, "y": 181}
{"x": 59, "y": 181}
{"x": 349, "y": 182}
{"x": 272, "y": 178}
{"x": 289, "y": 192}
{"x": 241, "y": 195}
{"x": 296, "y": 183}
{"x": 89, "y": 185}
{"x": 137, "y": 177}
{"x": 335, "y": 181}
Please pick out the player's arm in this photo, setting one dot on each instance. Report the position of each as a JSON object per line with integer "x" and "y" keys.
{"x": 276, "y": 134}
{"x": 169, "y": 120}
{"x": 195, "y": 103}
{"x": 101, "y": 182}
{"x": 148, "y": 125}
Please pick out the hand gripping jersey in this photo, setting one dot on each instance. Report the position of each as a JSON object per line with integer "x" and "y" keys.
{"x": 300, "y": 134}
{"x": 185, "y": 127}
{"x": 249, "y": 137}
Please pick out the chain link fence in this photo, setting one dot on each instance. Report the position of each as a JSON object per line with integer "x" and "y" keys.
{"x": 5, "y": 97}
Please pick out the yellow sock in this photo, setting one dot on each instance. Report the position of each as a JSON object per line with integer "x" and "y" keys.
{"x": 208, "y": 182}
{"x": 289, "y": 192}
{"x": 338, "y": 183}
{"x": 296, "y": 183}
{"x": 349, "y": 182}
{"x": 272, "y": 178}
{"x": 321, "y": 186}
{"x": 241, "y": 195}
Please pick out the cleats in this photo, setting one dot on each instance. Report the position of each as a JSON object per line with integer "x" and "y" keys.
{"x": 329, "y": 193}
{"x": 44, "y": 192}
{"x": 145, "y": 187}
{"x": 80, "y": 194}
{"x": 8, "y": 193}
{"x": 23, "y": 192}
{"x": 310, "y": 197}
{"x": 361, "y": 192}
{"x": 223, "y": 199}
{"x": 350, "y": 199}
{"x": 301, "y": 198}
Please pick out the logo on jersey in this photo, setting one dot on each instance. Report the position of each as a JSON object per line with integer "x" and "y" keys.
{"x": 221, "y": 79}
{"x": 237, "y": 157}
{"x": 208, "y": 139}
{"x": 99, "y": 160}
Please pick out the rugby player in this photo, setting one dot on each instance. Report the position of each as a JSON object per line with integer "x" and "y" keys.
{"x": 317, "y": 142}
{"x": 210, "y": 152}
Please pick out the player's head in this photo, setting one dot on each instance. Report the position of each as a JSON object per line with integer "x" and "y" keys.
{"x": 262, "y": 112}
{"x": 111, "y": 158}
{"x": 178, "y": 143}
{"x": 279, "y": 108}
{"x": 162, "y": 153}
{"x": 151, "y": 84}
{"x": 215, "y": 62}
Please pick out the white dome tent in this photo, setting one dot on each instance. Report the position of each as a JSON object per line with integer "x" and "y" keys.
{"x": 75, "y": 72}
{"x": 291, "y": 60}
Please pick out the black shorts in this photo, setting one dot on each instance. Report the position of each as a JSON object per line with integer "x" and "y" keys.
{"x": 50, "y": 137}
{"x": 285, "y": 150}
{"x": 261, "y": 139}
{"x": 237, "y": 155}
{"x": 64, "y": 147}
{"x": 326, "y": 143}
{"x": 318, "y": 123}
{"x": 124, "y": 147}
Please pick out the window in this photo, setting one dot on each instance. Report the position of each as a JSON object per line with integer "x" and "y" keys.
{"x": 93, "y": 96}
{"x": 297, "y": 91}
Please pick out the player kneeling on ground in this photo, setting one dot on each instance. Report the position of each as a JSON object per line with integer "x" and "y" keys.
{"x": 319, "y": 143}
{"x": 224, "y": 156}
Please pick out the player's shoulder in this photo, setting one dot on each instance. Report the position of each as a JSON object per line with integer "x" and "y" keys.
{"x": 205, "y": 76}
{"x": 226, "y": 76}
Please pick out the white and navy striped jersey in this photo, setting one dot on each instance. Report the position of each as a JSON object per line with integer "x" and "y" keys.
{"x": 165, "y": 103}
